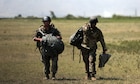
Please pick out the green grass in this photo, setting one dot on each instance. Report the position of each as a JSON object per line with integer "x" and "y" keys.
{"x": 20, "y": 62}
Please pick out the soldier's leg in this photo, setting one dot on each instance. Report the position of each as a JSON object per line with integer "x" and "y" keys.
{"x": 46, "y": 62}
{"x": 92, "y": 60}
{"x": 92, "y": 67}
{"x": 47, "y": 67}
{"x": 54, "y": 65}
{"x": 85, "y": 54}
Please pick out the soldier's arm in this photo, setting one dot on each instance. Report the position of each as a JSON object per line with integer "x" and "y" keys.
{"x": 57, "y": 34}
{"x": 37, "y": 36}
{"x": 37, "y": 39}
{"x": 101, "y": 39}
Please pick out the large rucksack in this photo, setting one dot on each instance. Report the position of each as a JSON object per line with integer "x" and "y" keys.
{"x": 77, "y": 38}
{"x": 54, "y": 43}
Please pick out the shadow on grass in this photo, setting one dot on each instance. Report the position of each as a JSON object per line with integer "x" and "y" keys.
{"x": 102, "y": 78}
{"x": 67, "y": 79}
{"x": 76, "y": 79}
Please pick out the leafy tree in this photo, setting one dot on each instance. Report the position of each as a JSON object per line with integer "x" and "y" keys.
{"x": 52, "y": 14}
{"x": 70, "y": 16}
{"x": 18, "y": 16}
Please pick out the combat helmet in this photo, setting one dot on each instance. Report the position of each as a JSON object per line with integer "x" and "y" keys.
{"x": 93, "y": 20}
{"x": 46, "y": 18}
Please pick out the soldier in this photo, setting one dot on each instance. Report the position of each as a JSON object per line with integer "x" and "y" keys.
{"x": 47, "y": 52}
{"x": 91, "y": 35}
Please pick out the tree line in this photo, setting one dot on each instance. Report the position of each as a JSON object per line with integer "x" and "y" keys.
{"x": 70, "y": 16}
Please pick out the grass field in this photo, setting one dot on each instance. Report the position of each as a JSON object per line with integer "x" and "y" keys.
{"x": 20, "y": 62}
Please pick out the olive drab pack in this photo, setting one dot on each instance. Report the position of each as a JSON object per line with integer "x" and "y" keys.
{"x": 77, "y": 38}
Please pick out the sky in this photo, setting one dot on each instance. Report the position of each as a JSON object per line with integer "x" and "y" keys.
{"x": 61, "y": 8}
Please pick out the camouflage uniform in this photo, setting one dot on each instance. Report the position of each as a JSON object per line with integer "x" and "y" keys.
{"x": 89, "y": 46}
{"x": 46, "y": 51}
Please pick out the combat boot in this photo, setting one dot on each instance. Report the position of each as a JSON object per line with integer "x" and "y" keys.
{"x": 93, "y": 77}
{"x": 88, "y": 77}
{"x": 47, "y": 77}
{"x": 53, "y": 76}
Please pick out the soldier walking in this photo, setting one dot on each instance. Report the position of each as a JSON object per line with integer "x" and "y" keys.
{"x": 47, "y": 51}
{"x": 91, "y": 35}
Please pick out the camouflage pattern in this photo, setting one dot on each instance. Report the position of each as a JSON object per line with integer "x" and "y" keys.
{"x": 92, "y": 36}
{"x": 89, "y": 46}
{"x": 46, "y": 51}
